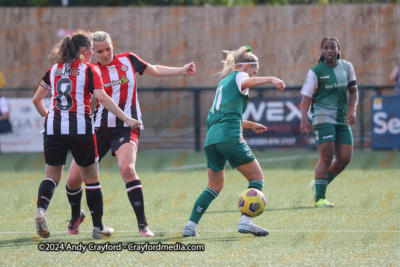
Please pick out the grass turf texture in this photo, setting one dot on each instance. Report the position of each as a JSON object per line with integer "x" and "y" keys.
{"x": 362, "y": 229}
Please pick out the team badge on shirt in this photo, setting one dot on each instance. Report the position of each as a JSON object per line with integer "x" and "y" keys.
{"x": 124, "y": 68}
{"x": 112, "y": 69}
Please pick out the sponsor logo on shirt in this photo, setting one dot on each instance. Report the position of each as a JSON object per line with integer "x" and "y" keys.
{"x": 335, "y": 85}
{"x": 124, "y": 80}
{"x": 117, "y": 82}
{"x": 324, "y": 77}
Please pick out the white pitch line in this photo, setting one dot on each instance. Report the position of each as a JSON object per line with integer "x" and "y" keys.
{"x": 221, "y": 231}
{"x": 195, "y": 166}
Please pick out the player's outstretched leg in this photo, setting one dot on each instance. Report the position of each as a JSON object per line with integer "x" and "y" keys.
{"x": 46, "y": 192}
{"x": 253, "y": 173}
{"x": 200, "y": 206}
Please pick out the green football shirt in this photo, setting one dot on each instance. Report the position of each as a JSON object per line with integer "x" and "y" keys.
{"x": 327, "y": 86}
{"x": 224, "y": 118}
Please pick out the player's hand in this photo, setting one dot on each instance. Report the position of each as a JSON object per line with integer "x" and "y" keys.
{"x": 305, "y": 127}
{"x": 259, "y": 128}
{"x": 351, "y": 117}
{"x": 134, "y": 124}
{"x": 279, "y": 84}
{"x": 189, "y": 69}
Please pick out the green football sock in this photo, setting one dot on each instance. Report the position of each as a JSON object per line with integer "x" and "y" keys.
{"x": 320, "y": 188}
{"x": 257, "y": 184}
{"x": 202, "y": 203}
{"x": 331, "y": 176}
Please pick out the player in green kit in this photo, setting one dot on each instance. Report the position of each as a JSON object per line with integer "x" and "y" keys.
{"x": 325, "y": 89}
{"x": 224, "y": 141}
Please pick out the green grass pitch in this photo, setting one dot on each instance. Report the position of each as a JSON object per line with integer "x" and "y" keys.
{"x": 362, "y": 230}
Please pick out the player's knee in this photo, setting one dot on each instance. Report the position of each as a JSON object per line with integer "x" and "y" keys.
{"x": 128, "y": 172}
{"x": 326, "y": 157}
{"x": 73, "y": 183}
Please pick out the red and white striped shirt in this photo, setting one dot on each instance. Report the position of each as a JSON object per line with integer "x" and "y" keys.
{"x": 71, "y": 88}
{"x": 119, "y": 80}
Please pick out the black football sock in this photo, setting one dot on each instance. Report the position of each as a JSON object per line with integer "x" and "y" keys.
{"x": 74, "y": 198}
{"x": 46, "y": 192}
{"x": 135, "y": 195}
{"x": 94, "y": 199}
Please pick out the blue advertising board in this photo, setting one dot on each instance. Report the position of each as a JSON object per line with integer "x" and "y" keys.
{"x": 282, "y": 117}
{"x": 385, "y": 122}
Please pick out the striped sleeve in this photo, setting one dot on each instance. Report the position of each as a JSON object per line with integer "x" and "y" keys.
{"x": 138, "y": 64}
{"x": 46, "y": 84}
{"x": 94, "y": 79}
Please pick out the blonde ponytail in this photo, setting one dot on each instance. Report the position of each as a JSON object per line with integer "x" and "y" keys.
{"x": 243, "y": 54}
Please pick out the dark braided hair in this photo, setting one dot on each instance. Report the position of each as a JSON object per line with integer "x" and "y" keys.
{"x": 70, "y": 47}
{"x": 322, "y": 58}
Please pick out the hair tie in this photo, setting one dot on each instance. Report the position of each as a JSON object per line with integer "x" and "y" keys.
{"x": 248, "y": 48}
{"x": 245, "y": 63}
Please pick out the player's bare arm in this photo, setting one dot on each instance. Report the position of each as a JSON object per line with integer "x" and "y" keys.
{"x": 305, "y": 126}
{"x": 351, "y": 111}
{"x": 164, "y": 71}
{"x": 255, "y": 81}
{"x": 38, "y": 101}
{"x": 110, "y": 105}
{"x": 255, "y": 127}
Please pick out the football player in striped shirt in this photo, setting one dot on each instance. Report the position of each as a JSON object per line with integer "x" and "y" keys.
{"x": 69, "y": 126}
{"x": 119, "y": 77}
{"x": 325, "y": 90}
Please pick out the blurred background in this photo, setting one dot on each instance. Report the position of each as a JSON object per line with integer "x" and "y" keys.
{"x": 285, "y": 35}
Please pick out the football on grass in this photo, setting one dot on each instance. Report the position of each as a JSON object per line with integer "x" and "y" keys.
{"x": 252, "y": 202}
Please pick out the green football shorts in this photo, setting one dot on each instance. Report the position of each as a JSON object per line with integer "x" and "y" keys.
{"x": 340, "y": 134}
{"x": 235, "y": 154}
